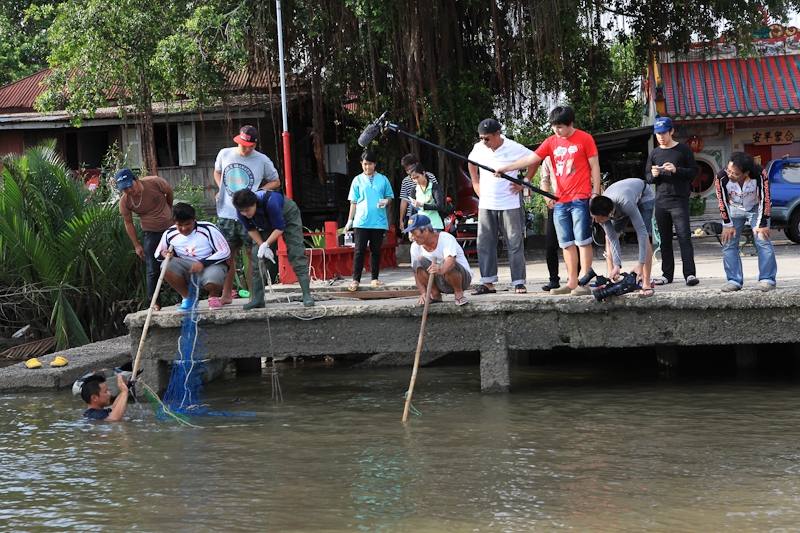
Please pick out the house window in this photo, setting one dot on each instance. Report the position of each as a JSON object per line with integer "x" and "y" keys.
{"x": 166, "y": 138}
{"x": 175, "y": 145}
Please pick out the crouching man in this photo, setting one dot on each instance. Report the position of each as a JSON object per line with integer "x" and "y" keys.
{"x": 198, "y": 248}
{"x": 266, "y": 215}
{"x": 629, "y": 199}
{"x": 438, "y": 254}
{"x": 95, "y": 393}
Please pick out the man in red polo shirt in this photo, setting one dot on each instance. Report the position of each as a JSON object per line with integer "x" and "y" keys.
{"x": 576, "y": 169}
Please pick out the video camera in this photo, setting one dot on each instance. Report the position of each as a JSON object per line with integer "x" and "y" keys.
{"x": 605, "y": 288}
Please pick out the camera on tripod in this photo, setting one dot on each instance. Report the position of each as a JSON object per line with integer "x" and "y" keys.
{"x": 605, "y": 288}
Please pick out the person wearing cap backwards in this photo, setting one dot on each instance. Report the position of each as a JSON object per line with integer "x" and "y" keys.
{"x": 671, "y": 166}
{"x": 236, "y": 168}
{"x": 95, "y": 393}
{"x": 499, "y": 206}
{"x": 151, "y": 198}
{"x": 576, "y": 167}
{"x": 437, "y": 253}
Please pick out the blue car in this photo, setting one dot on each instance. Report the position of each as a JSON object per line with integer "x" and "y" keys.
{"x": 784, "y": 180}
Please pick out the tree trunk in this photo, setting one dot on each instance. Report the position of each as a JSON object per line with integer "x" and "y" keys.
{"x": 317, "y": 116}
{"x": 148, "y": 142}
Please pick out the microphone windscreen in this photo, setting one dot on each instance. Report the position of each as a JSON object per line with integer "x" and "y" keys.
{"x": 369, "y": 133}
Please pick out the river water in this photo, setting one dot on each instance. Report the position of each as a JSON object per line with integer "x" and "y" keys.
{"x": 566, "y": 451}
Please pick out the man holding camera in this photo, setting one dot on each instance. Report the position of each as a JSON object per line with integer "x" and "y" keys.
{"x": 629, "y": 199}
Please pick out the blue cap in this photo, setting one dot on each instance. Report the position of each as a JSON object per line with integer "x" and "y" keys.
{"x": 416, "y": 222}
{"x": 662, "y": 125}
{"x": 124, "y": 178}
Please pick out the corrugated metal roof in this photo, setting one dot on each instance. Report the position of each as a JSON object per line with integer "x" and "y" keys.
{"x": 720, "y": 88}
{"x": 20, "y": 95}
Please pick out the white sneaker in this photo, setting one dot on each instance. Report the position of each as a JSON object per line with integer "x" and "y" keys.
{"x": 730, "y": 287}
{"x": 765, "y": 286}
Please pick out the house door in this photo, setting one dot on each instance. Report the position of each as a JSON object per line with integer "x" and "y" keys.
{"x": 762, "y": 154}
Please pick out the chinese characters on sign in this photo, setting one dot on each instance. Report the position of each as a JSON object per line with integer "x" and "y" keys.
{"x": 769, "y": 137}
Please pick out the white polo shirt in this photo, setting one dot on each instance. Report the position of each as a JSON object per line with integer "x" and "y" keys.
{"x": 496, "y": 192}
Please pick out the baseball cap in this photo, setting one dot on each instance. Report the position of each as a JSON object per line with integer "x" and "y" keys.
{"x": 488, "y": 125}
{"x": 248, "y": 136}
{"x": 662, "y": 125}
{"x": 416, "y": 222}
{"x": 124, "y": 178}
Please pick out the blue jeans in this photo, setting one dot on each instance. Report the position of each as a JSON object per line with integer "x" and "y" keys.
{"x": 573, "y": 223}
{"x": 731, "y": 259}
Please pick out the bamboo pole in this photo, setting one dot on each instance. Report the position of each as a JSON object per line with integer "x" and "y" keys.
{"x": 146, "y": 326}
{"x": 419, "y": 347}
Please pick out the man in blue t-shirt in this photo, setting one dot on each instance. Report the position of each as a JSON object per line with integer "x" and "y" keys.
{"x": 96, "y": 394}
{"x": 266, "y": 216}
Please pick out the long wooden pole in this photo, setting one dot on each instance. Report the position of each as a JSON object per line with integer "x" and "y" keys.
{"x": 419, "y": 347}
{"x": 146, "y": 326}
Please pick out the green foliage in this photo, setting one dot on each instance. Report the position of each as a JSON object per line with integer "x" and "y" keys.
{"x": 23, "y": 38}
{"x": 68, "y": 268}
{"x": 193, "y": 195}
{"x": 316, "y": 239}
{"x": 139, "y": 52}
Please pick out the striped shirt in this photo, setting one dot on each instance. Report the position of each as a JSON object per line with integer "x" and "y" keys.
{"x": 205, "y": 244}
{"x": 749, "y": 196}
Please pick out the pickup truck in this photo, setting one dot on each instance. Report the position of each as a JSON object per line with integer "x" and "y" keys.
{"x": 784, "y": 180}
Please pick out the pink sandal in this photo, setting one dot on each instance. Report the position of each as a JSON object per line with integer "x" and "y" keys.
{"x": 214, "y": 302}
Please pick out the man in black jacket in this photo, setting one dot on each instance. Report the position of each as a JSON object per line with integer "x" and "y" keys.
{"x": 671, "y": 166}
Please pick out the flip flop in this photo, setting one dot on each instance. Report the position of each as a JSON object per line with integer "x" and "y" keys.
{"x": 33, "y": 363}
{"x": 646, "y": 293}
{"x": 59, "y": 361}
{"x": 483, "y": 289}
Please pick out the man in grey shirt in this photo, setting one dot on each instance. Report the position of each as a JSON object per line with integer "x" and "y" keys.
{"x": 629, "y": 199}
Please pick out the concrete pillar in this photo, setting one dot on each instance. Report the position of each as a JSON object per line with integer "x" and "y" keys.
{"x": 156, "y": 374}
{"x": 247, "y": 365}
{"x": 495, "y": 366}
{"x": 668, "y": 359}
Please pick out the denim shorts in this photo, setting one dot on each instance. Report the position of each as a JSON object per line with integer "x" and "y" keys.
{"x": 573, "y": 223}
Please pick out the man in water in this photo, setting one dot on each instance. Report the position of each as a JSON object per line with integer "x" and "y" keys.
{"x": 97, "y": 396}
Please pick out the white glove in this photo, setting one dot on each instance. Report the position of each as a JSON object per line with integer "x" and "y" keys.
{"x": 265, "y": 252}
{"x": 349, "y": 225}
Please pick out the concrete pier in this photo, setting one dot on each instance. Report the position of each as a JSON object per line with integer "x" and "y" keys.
{"x": 490, "y": 324}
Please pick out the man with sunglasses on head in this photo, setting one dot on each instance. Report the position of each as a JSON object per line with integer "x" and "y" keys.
{"x": 499, "y": 207}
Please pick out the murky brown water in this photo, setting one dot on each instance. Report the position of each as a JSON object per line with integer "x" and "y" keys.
{"x": 580, "y": 455}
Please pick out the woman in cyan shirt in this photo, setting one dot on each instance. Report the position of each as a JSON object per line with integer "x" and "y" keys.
{"x": 426, "y": 196}
{"x": 370, "y": 196}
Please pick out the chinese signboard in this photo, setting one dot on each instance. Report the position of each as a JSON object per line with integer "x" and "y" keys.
{"x": 769, "y": 137}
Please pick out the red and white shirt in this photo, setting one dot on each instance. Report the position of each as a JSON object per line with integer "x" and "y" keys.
{"x": 571, "y": 169}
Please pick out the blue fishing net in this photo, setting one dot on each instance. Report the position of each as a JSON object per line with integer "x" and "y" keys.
{"x": 188, "y": 368}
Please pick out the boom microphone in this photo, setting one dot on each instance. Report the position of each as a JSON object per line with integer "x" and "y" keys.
{"x": 371, "y": 131}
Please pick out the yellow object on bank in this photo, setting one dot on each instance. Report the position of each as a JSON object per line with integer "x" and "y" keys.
{"x": 33, "y": 363}
{"x": 59, "y": 361}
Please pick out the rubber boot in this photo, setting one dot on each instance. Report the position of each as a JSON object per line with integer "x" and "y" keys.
{"x": 256, "y": 296}
{"x": 308, "y": 300}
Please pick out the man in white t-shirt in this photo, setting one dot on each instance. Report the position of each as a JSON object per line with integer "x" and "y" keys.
{"x": 236, "y": 168}
{"x": 437, "y": 253}
{"x": 499, "y": 208}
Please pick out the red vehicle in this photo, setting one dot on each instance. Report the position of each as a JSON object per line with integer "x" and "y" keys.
{"x": 462, "y": 223}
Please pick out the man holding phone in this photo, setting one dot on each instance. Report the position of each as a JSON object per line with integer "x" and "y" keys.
{"x": 671, "y": 166}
